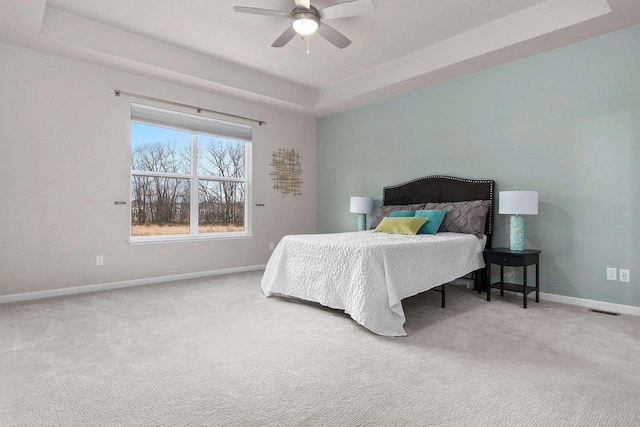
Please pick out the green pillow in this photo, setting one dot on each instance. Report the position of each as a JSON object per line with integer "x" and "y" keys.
{"x": 435, "y": 219}
{"x": 401, "y": 214}
{"x": 400, "y": 225}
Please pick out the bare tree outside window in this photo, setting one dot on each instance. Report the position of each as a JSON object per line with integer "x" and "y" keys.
{"x": 221, "y": 203}
{"x": 163, "y": 173}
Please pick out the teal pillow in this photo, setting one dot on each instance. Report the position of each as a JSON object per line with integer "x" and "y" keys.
{"x": 435, "y": 219}
{"x": 402, "y": 214}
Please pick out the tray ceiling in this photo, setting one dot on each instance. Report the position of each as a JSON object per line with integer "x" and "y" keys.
{"x": 404, "y": 45}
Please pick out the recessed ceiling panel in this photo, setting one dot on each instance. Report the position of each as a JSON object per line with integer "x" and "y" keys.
{"x": 404, "y": 45}
{"x": 396, "y": 29}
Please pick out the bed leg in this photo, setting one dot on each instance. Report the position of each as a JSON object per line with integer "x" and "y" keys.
{"x": 479, "y": 282}
{"x": 443, "y": 294}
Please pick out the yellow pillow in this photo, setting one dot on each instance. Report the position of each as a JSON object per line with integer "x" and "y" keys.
{"x": 400, "y": 225}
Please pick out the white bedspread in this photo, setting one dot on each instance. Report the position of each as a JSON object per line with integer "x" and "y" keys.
{"x": 367, "y": 274}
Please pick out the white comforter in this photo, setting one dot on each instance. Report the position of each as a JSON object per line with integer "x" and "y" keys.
{"x": 367, "y": 274}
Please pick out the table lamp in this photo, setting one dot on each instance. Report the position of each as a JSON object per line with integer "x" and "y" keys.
{"x": 362, "y": 206}
{"x": 517, "y": 203}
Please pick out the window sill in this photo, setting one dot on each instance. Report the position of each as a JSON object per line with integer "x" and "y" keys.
{"x": 184, "y": 238}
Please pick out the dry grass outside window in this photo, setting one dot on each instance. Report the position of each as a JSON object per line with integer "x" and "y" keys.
{"x": 169, "y": 229}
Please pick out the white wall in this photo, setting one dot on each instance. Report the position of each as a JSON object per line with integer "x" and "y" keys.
{"x": 64, "y": 160}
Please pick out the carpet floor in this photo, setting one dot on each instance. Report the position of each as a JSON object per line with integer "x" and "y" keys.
{"x": 215, "y": 352}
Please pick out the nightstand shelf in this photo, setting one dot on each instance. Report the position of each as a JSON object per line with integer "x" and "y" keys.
{"x": 513, "y": 287}
{"x": 505, "y": 257}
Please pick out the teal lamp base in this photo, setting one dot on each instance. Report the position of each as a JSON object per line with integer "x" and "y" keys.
{"x": 517, "y": 233}
{"x": 362, "y": 222}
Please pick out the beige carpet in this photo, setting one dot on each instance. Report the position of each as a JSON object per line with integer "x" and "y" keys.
{"x": 216, "y": 352}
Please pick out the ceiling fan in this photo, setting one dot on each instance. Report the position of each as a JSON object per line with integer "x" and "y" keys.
{"x": 306, "y": 19}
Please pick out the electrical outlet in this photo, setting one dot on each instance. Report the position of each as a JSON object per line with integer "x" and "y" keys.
{"x": 272, "y": 246}
{"x": 612, "y": 273}
{"x": 625, "y": 275}
{"x": 100, "y": 260}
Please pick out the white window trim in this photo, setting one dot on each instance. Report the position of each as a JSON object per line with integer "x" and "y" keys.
{"x": 193, "y": 177}
{"x": 183, "y": 238}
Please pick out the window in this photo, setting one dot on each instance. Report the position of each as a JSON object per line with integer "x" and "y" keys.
{"x": 190, "y": 176}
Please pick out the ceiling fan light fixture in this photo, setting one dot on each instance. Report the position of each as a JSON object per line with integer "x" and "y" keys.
{"x": 305, "y": 22}
{"x": 306, "y": 19}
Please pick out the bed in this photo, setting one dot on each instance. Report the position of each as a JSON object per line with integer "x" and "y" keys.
{"x": 368, "y": 274}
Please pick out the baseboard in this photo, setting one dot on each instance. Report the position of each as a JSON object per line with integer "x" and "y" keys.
{"x": 580, "y": 302}
{"x": 124, "y": 284}
{"x": 598, "y": 305}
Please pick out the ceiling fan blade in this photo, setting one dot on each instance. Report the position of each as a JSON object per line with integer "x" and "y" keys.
{"x": 303, "y": 3}
{"x": 257, "y": 11}
{"x": 350, "y": 8}
{"x": 333, "y": 36}
{"x": 284, "y": 37}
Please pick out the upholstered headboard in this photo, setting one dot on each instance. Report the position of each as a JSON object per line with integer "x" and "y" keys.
{"x": 438, "y": 188}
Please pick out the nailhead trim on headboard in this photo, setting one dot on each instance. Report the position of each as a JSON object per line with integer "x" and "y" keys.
{"x": 451, "y": 178}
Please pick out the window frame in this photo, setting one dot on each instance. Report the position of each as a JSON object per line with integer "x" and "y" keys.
{"x": 194, "y": 178}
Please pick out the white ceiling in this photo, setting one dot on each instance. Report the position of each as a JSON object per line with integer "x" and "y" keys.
{"x": 397, "y": 29}
{"x": 404, "y": 45}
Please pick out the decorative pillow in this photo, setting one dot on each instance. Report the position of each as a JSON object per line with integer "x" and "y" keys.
{"x": 467, "y": 217}
{"x": 402, "y": 214}
{"x": 384, "y": 211}
{"x": 400, "y": 225}
{"x": 435, "y": 219}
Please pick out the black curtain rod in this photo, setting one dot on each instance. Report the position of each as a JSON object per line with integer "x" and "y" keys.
{"x": 119, "y": 92}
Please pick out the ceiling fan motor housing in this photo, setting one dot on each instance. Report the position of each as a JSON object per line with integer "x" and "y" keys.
{"x": 305, "y": 21}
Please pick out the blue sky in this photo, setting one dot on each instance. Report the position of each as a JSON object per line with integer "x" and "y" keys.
{"x": 143, "y": 134}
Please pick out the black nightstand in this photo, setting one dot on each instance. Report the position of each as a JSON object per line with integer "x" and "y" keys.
{"x": 506, "y": 257}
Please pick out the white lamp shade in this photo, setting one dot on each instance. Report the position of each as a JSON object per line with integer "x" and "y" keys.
{"x": 519, "y": 202}
{"x": 362, "y": 205}
{"x": 305, "y": 26}
{"x": 305, "y": 22}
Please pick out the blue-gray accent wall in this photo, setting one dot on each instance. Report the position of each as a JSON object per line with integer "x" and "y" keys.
{"x": 565, "y": 123}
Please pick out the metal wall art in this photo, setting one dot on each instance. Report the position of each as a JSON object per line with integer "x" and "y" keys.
{"x": 286, "y": 172}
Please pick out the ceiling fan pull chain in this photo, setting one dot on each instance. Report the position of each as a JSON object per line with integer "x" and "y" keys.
{"x": 306, "y": 19}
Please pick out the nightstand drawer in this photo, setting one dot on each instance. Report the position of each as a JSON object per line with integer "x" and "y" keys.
{"x": 506, "y": 260}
